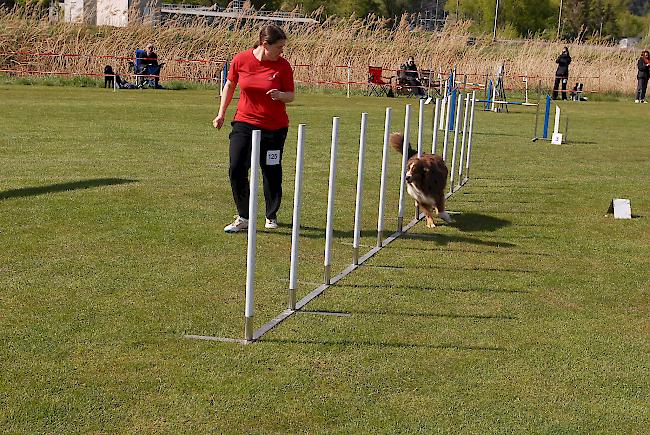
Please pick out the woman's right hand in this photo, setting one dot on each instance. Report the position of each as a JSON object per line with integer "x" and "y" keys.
{"x": 218, "y": 121}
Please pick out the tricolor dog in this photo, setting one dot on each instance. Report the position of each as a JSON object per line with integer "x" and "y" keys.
{"x": 426, "y": 178}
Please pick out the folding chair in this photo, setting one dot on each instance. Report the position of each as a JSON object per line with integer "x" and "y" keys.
{"x": 376, "y": 84}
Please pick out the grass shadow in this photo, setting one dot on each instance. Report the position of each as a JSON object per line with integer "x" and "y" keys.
{"x": 434, "y": 315}
{"x": 445, "y": 239}
{"x": 62, "y": 187}
{"x": 432, "y": 288}
{"x": 381, "y": 344}
{"x": 470, "y": 222}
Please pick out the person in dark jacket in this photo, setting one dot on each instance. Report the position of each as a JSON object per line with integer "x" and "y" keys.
{"x": 562, "y": 73}
{"x": 642, "y": 75}
{"x": 411, "y": 77}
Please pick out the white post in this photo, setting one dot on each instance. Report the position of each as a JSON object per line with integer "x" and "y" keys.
{"x": 463, "y": 141}
{"x": 421, "y": 128}
{"x": 221, "y": 84}
{"x": 359, "y": 202}
{"x": 436, "y": 120}
{"x": 471, "y": 135}
{"x": 445, "y": 141}
{"x": 330, "y": 202}
{"x": 443, "y": 110}
{"x": 252, "y": 236}
{"x": 384, "y": 175}
{"x": 295, "y": 230}
{"x": 556, "y": 127}
{"x": 405, "y": 157}
{"x": 459, "y": 104}
{"x": 115, "y": 85}
{"x": 349, "y": 76}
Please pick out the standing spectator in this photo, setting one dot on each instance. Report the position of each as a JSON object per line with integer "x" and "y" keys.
{"x": 562, "y": 73}
{"x": 265, "y": 81}
{"x": 643, "y": 66}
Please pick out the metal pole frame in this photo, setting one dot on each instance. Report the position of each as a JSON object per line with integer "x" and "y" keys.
{"x": 405, "y": 157}
{"x": 329, "y": 228}
{"x": 252, "y": 236}
{"x": 384, "y": 176}
{"x": 359, "y": 198}
{"x": 295, "y": 230}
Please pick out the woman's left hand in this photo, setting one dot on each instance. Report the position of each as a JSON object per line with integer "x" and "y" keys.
{"x": 275, "y": 94}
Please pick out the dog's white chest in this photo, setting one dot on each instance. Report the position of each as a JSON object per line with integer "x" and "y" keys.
{"x": 418, "y": 195}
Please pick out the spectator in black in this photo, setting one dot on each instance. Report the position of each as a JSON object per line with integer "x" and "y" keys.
{"x": 562, "y": 73}
{"x": 412, "y": 77}
{"x": 642, "y": 75}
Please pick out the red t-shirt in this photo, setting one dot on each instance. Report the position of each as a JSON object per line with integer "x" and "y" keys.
{"x": 255, "y": 79}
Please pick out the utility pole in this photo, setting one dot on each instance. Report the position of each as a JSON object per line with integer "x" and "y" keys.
{"x": 559, "y": 22}
{"x": 496, "y": 15}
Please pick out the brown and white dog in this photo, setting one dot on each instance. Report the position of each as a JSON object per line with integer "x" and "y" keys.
{"x": 426, "y": 178}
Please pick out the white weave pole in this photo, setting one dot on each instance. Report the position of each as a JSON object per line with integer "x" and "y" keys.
{"x": 295, "y": 230}
{"x": 359, "y": 202}
{"x": 436, "y": 121}
{"x": 471, "y": 135}
{"x": 421, "y": 128}
{"x": 459, "y": 104}
{"x": 252, "y": 236}
{"x": 330, "y": 203}
{"x": 556, "y": 126}
{"x": 446, "y": 122}
{"x": 405, "y": 157}
{"x": 463, "y": 141}
{"x": 443, "y": 109}
{"x": 384, "y": 176}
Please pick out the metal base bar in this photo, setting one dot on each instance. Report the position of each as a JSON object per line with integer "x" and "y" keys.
{"x": 292, "y": 298}
{"x": 248, "y": 328}
{"x": 327, "y": 274}
{"x": 221, "y": 339}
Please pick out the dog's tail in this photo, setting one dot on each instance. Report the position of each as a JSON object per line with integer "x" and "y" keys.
{"x": 397, "y": 142}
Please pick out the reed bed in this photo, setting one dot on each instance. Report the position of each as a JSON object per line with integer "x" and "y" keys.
{"x": 321, "y": 53}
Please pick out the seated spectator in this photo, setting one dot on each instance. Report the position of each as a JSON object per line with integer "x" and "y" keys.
{"x": 151, "y": 66}
{"x": 412, "y": 77}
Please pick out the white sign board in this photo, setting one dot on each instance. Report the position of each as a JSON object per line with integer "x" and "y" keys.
{"x": 621, "y": 208}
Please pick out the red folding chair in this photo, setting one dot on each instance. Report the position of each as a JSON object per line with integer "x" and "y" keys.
{"x": 376, "y": 83}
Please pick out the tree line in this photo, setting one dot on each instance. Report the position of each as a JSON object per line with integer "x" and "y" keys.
{"x": 579, "y": 20}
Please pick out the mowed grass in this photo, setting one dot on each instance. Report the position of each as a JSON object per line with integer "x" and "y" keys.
{"x": 529, "y": 314}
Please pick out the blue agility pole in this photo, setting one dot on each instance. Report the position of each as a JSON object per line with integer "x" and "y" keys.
{"x": 546, "y": 116}
{"x": 453, "y": 110}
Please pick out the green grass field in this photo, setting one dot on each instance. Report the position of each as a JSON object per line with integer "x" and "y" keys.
{"x": 529, "y": 314}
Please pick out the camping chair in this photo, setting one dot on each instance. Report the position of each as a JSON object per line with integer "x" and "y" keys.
{"x": 376, "y": 83}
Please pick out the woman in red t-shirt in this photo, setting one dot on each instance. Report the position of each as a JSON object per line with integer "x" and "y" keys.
{"x": 265, "y": 81}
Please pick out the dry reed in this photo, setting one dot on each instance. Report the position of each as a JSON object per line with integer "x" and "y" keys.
{"x": 325, "y": 48}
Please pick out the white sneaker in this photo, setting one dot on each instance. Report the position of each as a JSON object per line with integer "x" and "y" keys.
{"x": 271, "y": 224}
{"x": 238, "y": 225}
{"x": 636, "y": 101}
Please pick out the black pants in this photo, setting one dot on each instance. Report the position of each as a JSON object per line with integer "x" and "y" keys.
{"x": 641, "y": 87}
{"x": 271, "y": 150}
{"x": 564, "y": 81}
